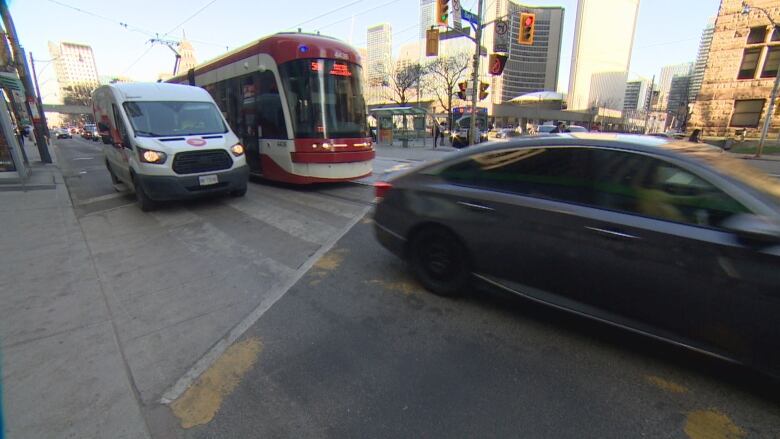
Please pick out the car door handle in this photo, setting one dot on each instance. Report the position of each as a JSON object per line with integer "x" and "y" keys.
{"x": 612, "y": 233}
{"x": 477, "y": 207}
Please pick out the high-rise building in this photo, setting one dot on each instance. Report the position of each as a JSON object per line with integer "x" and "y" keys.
{"x": 427, "y": 16}
{"x": 529, "y": 68}
{"x": 76, "y": 71}
{"x": 678, "y": 92}
{"x": 665, "y": 82}
{"x": 701, "y": 60}
{"x": 603, "y": 39}
{"x": 379, "y": 51}
{"x": 743, "y": 62}
{"x": 637, "y": 95}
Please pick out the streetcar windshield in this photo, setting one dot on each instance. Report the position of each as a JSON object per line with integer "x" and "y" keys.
{"x": 325, "y": 97}
{"x": 157, "y": 119}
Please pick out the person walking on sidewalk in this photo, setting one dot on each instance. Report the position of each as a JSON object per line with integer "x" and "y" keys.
{"x": 436, "y": 131}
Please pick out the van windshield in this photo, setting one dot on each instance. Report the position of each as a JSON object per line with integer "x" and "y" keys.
{"x": 174, "y": 118}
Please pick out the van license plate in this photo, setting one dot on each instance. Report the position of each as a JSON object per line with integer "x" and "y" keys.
{"x": 206, "y": 180}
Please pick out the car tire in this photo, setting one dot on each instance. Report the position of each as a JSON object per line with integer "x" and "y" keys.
{"x": 239, "y": 192}
{"x": 144, "y": 202}
{"x": 439, "y": 261}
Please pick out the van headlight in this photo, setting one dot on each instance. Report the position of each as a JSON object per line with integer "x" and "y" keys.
{"x": 151, "y": 156}
{"x": 237, "y": 149}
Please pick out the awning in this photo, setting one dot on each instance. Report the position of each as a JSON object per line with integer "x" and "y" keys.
{"x": 537, "y": 96}
{"x": 398, "y": 111}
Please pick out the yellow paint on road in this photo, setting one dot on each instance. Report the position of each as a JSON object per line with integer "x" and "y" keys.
{"x": 405, "y": 288}
{"x": 201, "y": 402}
{"x": 663, "y": 384}
{"x": 331, "y": 260}
{"x": 711, "y": 424}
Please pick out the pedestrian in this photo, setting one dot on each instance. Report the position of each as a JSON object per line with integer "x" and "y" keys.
{"x": 441, "y": 135}
{"x": 436, "y": 130}
{"x": 20, "y": 133}
{"x": 695, "y": 136}
{"x": 560, "y": 127}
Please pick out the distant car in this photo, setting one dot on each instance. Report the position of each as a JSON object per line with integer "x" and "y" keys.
{"x": 505, "y": 133}
{"x": 74, "y": 130}
{"x": 95, "y": 134}
{"x": 87, "y": 131}
{"x": 460, "y": 137}
{"x": 547, "y": 129}
{"x": 63, "y": 133}
{"x": 665, "y": 238}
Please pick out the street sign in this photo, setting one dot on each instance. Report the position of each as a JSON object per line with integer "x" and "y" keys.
{"x": 496, "y": 64}
{"x": 432, "y": 42}
{"x": 469, "y": 16}
{"x": 501, "y": 37}
{"x": 456, "y": 14}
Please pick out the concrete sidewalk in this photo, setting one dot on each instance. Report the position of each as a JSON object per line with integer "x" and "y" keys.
{"x": 63, "y": 373}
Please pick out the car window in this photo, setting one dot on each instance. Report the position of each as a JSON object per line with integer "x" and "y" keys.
{"x": 647, "y": 186}
{"x": 553, "y": 173}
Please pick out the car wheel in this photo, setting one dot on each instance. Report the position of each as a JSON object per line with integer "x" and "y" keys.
{"x": 440, "y": 261}
{"x": 113, "y": 176}
{"x": 239, "y": 192}
{"x": 144, "y": 202}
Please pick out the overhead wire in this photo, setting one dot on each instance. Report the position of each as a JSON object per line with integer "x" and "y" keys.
{"x": 357, "y": 14}
{"x": 191, "y": 17}
{"x": 102, "y": 17}
{"x": 326, "y": 14}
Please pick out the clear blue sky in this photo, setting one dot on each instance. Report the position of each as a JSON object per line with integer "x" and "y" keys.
{"x": 668, "y": 31}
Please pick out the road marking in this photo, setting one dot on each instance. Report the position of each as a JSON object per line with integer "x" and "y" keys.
{"x": 274, "y": 295}
{"x": 101, "y": 198}
{"x": 201, "y": 402}
{"x": 82, "y": 172}
{"x": 83, "y": 158}
{"x": 711, "y": 424}
{"x": 663, "y": 384}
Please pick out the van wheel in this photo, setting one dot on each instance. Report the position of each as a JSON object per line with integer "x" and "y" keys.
{"x": 144, "y": 202}
{"x": 440, "y": 261}
{"x": 239, "y": 192}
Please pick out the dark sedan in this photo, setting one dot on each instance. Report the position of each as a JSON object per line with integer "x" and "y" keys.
{"x": 670, "y": 239}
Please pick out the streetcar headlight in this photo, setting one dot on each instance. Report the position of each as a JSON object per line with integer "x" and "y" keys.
{"x": 237, "y": 149}
{"x": 151, "y": 156}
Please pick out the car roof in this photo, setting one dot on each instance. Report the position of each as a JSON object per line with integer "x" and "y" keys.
{"x": 159, "y": 91}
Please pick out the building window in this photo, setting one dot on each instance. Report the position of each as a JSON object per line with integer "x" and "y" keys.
{"x": 747, "y": 113}
{"x": 747, "y": 70}
{"x": 776, "y": 34}
{"x": 771, "y": 63}
{"x": 757, "y": 35}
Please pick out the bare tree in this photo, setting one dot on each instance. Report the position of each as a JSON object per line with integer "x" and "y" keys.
{"x": 403, "y": 81}
{"x": 443, "y": 76}
{"x": 78, "y": 94}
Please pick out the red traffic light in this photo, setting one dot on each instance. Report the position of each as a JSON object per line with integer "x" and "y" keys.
{"x": 529, "y": 21}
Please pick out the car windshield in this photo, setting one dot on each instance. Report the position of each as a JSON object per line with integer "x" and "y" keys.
{"x": 174, "y": 118}
{"x": 325, "y": 98}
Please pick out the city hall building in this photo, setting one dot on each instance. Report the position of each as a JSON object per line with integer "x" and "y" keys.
{"x": 741, "y": 69}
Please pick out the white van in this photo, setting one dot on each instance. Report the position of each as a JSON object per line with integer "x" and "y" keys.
{"x": 168, "y": 141}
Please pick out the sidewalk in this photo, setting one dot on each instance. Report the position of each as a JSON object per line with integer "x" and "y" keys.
{"x": 63, "y": 373}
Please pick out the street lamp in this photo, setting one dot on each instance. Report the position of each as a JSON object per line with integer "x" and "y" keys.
{"x": 746, "y": 8}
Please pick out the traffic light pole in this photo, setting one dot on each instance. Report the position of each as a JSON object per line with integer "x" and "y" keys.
{"x": 475, "y": 77}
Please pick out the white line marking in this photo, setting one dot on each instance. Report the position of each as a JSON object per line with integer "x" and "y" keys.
{"x": 101, "y": 198}
{"x": 276, "y": 293}
{"x": 83, "y": 158}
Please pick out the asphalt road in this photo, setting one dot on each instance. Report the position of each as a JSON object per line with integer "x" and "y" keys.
{"x": 357, "y": 349}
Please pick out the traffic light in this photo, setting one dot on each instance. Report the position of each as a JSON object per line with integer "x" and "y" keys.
{"x": 496, "y": 63}
{"x": 432, "y": 42}
{"x": 442, "y": 12}
{"x": 483, "y": 93}
{"x": 462, "y": 90}
{"x": 526, "y": 34}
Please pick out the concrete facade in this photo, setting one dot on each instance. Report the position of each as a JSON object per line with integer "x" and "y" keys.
{"x": 722, "y": 90}
{"x": 601, "y": 54}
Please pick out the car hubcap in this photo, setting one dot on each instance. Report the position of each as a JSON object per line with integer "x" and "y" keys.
{"x": 438, "y": 260}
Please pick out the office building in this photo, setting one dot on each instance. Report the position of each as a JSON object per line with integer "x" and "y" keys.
{"x": 76, "y": 71}
{"x": 665, "y": 83}
{"x": 529, "y": 68}
{"x": 637, "y": 95}
{"x": 379, "y": 52}
{"x": 603, "y": 38}
{"x": 427, "y": 16}
{"x": 701, "y": 60}
{"x": 743, "y": 62}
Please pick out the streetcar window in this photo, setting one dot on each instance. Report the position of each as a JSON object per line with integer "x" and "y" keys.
{"x": 269, "y": 111}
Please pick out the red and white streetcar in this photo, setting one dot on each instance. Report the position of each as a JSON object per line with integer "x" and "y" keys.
{"x": 296, "y": 102}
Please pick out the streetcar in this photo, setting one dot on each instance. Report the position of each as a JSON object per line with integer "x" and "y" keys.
{"x": 296, "y": 102}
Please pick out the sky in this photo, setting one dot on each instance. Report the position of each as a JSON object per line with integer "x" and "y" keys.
{"x": 667, "y": 32}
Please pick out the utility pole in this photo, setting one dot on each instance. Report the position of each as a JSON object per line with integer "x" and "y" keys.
{"x": 24, "y": 74}
{"x": 475, "y": 79}
{"x": 38, "y": 92}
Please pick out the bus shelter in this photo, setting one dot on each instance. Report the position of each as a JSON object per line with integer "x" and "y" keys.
{"x": 400, "y": 124}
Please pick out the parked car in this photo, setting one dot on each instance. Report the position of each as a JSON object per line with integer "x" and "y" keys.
{"x": 506, "y": 133}
{"x": 664, "y": 238}
{"x": 171, "y": 142}
{"x": 63, "y": 133}
{"x": 547, "y": 129}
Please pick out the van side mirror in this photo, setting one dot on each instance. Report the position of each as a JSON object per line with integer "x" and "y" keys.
{"x": 753, "y": 229}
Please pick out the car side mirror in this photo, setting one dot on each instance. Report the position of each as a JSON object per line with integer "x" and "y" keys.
{"x": 753, "y": 229}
